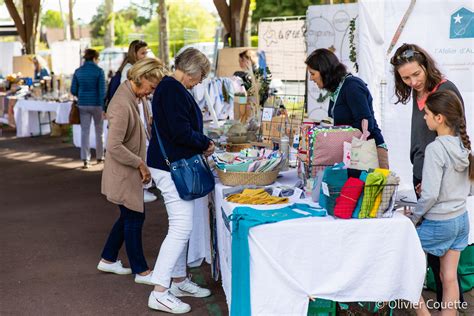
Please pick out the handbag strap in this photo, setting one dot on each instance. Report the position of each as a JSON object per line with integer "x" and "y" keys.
{"x": 161, "y": 144}
{"x": 365, "y": 129}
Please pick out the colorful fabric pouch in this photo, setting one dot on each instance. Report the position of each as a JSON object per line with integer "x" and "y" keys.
{"x": 363, "y": 177}
{"x": 373, "y": 186}
{"x": 387, "y": 194}
{"x": 347, "y": 200}
{"x": 333, "y": 180}
{"x": 378, "y": 199}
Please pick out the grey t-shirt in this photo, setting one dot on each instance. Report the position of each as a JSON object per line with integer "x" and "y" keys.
{"x": 421, "y": 136}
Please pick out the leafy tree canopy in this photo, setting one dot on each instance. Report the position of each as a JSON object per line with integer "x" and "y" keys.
{"x": 123, "y": 26}
{"x": 274, "y": 8}
{"x": 188, "y": 20}
{"x": 52, "y": 18}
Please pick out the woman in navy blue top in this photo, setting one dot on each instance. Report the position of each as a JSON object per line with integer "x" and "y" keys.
{"x": 178, "y": 120}
{"x": 351, "y": 101}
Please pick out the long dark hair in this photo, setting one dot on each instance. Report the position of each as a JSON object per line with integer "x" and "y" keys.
{"x": 132, "y": 53}
{"x": 406, "y": 54}
{"x": 331, "y": 69}
{"x": 449, "y": 105}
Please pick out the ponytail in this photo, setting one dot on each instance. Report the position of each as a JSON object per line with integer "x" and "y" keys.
{"x": 467, "y": 144}
{"x": 448, "y": 104}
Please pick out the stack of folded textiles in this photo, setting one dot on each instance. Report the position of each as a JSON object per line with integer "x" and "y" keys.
{"x": 248, "y": 161}
{"x": 255, "y": 197}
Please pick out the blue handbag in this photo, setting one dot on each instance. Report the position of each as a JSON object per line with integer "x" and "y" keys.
{"x": 192, "y": 177}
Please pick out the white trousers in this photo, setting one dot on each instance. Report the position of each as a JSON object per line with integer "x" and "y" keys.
{"x": 171, "y": 261}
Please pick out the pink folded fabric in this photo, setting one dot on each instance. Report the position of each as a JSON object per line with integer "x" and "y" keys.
{"x": 347, "y": 200}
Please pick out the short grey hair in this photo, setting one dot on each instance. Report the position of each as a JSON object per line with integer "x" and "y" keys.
{"x": 193, "y": 62}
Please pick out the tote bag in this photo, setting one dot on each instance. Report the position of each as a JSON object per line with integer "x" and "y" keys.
{"x": 192, "y": 177}
{"x": 74, "y": 117}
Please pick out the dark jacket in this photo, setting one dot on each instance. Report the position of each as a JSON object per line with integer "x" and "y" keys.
{"x": 88, "y": 85}
{"x": 179, "y": 122}
{"x": 421, "y": 136}
{"x": 353, "y": 105}
{"x": 41, "y": 73}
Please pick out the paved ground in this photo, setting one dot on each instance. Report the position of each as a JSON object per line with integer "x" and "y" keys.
{"x": 54, "y": 223}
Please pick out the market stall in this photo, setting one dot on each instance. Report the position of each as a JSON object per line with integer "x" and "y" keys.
{"x": 341, "y": 260}
{"x": 33, "y": 118}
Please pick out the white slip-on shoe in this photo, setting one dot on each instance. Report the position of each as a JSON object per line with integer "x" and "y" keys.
{"x": 148, "y": 196}
{"x": 144, "y": 279}
{"x": 115, "y": 267}
{"x": 188, "y": 288}
{"x": 167, "y": 302}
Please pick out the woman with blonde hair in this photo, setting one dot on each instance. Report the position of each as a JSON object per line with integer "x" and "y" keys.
{"x": 178, "y": 121}
{"x": 125, "y": 170}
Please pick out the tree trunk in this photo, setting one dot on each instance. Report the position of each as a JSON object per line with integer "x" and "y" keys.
{"x": 65, "y": 24}
{"x": 27, "y": 26}
{"x": 234, "y": 17}
{"x": 163, "y": 32}
{"x": 71, "y": 19}
{"x": 110, "y": 23}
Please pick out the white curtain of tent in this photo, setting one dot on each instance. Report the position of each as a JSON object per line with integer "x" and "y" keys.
{"x": 428, "y": 26}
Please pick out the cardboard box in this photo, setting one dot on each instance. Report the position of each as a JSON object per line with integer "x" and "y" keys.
{"x": 228, "y": 60}
{"x": 24, "y": 64}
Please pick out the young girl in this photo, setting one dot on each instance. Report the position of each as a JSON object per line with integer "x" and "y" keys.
{"x": 447, "y": 173}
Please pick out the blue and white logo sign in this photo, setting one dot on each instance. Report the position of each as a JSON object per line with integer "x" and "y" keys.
{"x": 462, "y": 24}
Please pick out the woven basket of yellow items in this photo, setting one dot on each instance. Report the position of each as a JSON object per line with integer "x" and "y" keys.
{"x": 244, "y": 178}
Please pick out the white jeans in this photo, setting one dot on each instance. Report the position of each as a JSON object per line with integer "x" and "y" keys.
{"x": 171, "y": 261}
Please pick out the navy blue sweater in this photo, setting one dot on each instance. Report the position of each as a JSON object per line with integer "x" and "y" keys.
{"x": 353, "y": 105}
{"x": 88, "y": 85}
{"x": 179, "y": 122}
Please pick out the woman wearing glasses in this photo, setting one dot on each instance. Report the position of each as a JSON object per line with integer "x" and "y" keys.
{"x": 351, "y": 101}
{"x": 178, "y": 120}
{"x": 416, "y": 77}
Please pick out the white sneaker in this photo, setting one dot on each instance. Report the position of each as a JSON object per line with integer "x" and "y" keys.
{"x": 115, "y": 267}
{"x": 148, "y": 196}
{"x": 188, "y": 288}
{"x": 168, "y": 303}
{"x": 144, "y": 279}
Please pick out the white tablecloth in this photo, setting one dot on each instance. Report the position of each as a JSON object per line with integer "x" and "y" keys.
{"x": 76, "y": 134}
{"x": 30, "y": 113}
{"x": 340, "y": 260}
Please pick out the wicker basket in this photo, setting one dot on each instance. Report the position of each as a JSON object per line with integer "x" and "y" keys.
{"x": 235, "y": 148}
{"x": 244, "y": 178}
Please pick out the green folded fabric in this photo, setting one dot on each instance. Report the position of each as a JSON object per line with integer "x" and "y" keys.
{"x": 238, "y": 167}
{"x": 373, "y": 186}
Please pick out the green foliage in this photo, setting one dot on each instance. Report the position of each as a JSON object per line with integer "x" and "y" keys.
{"x": 254, "y": 40}
{"x": 52, "y": 18}
{"x": 184, "y": 14}
{"x": 272, "y": 8}
{"x": 123, "y": 25}
{"x": 352, "y": 45}
{"x": 97, "y": 23}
